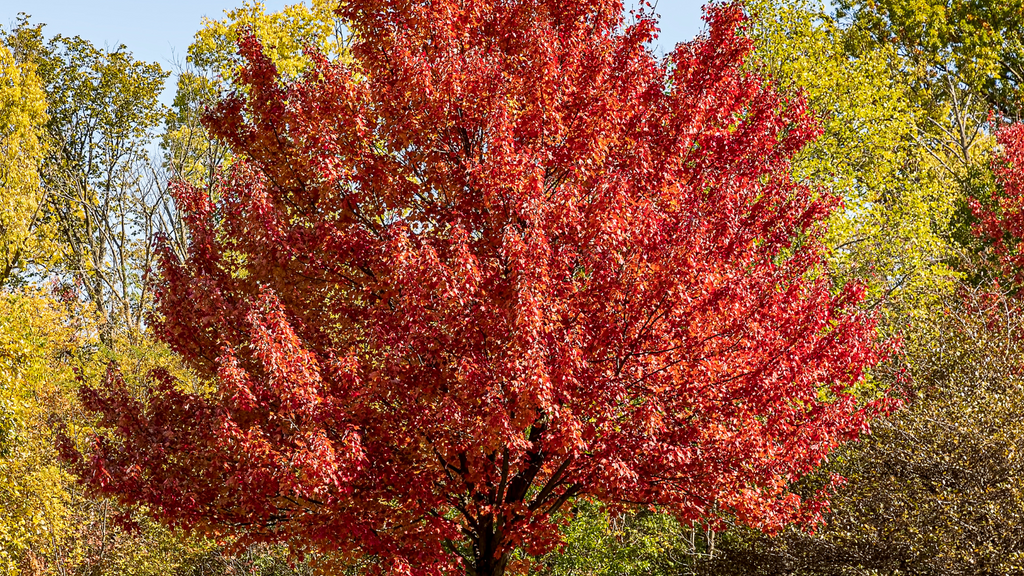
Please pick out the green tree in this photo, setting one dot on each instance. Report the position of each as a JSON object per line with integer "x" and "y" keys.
{"x": 950, "y": 48}
{"x": 102, "y": 197}
{"x": 603, "y": 542}
{"x": 960, "y": 60}
{"x": 892, "y": 232}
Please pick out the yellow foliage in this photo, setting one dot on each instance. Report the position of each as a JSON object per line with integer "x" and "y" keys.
{"x": 22, "y": 115}
{"x": 35, "y": 343}
{"x": 284, "y": 35}
{"x": 892, "y": 231}
{"x": 48, "y": 525}
{"x": 190, "y": 151}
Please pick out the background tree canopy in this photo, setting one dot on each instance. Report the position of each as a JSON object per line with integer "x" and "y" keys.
{"x": 914, "y": 104}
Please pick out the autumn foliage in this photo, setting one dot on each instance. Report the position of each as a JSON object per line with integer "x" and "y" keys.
{"x": 500, "y": 259}
{"x": 1001, "y": 217}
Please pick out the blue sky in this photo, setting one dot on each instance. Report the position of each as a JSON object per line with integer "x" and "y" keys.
{"x": 161, "y": 30}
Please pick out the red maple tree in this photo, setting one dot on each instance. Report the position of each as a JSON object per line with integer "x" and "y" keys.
{"x": 503, "y": 258}
{"x": 1001, "y": 216}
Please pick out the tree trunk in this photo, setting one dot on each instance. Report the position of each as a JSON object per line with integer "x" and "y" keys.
{"x": 486, "y": 560}
{"x": 489, "y": 565}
